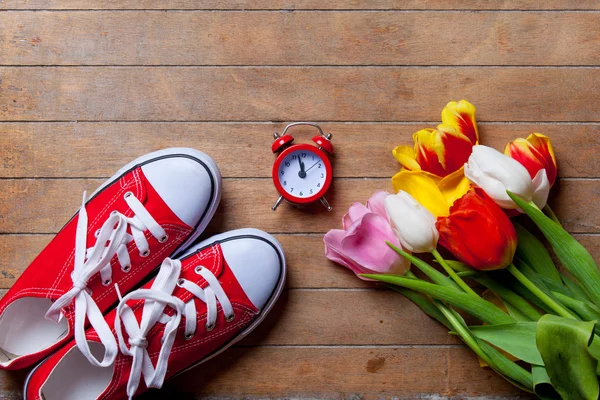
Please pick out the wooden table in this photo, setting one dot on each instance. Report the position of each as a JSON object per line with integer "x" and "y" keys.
{"x": 86, "y": 86}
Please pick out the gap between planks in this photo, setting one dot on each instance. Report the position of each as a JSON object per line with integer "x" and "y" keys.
{"x": 289, "y": 10}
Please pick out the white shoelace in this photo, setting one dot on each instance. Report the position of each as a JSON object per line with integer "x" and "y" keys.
{"x": 156, "y": 299}
{"x": 112, "y": 238}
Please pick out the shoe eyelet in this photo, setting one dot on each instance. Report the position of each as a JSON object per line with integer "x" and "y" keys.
{"x": 88, "y": 291}
{"x": 230, "y": 318}
{"x": 106, "y": 282}
{"x": 163, "y": 239}
{"x": 128, "y": 195}
{"x": 144, "y": 254}
{"x": 97, "y": 233}
{"x": 198, "y": 269}
{"x": 209, "y": 327}
{"x": 114, "y": 212}
{"x": 126, "y": 268}
{"x": 188, "y": 336}
{"x": 180, "y": 282}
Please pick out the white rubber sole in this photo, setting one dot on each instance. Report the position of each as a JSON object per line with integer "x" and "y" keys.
{"x": 170, "y": 152}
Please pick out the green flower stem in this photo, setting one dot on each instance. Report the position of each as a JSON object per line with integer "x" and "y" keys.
{"x": 548, "y": 211}
{"x": 463, "y": 332}
{"x": 451, "y": 273}
{"x": 557, "y": 308}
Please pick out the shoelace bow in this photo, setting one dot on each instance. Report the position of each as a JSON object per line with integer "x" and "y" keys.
{"x": 156, "y": 299}
{"x": 112, "y": 238}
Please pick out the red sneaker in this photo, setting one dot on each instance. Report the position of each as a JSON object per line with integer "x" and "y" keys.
{"x": 152, "y": 208}
{"x": 193, "y": 310}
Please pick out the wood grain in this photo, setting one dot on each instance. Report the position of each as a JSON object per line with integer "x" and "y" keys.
{"x": 361, "y": 150}
{"x": 304, "y": 4}
{"x": 308, "y": 38}
{"x": 340, "y": 373}
{"x": 295, "y": 93}
{"x": 24, "y": 205}
{"x": 307, "y": 267}
{"x": 84, "y": 92}
{"x": 336, "y": 373}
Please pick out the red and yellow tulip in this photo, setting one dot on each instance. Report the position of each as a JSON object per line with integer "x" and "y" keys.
{"x": 534, "y": 153}
{"x": 443, "y": 150}
{"x": 461, "y": 116}
{"x": 478, "y": 232}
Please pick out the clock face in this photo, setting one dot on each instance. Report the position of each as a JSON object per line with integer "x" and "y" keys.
{"x": 302, "y": 174}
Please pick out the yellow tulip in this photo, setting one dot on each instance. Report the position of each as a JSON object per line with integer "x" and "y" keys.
{"x": 434, "y": 193}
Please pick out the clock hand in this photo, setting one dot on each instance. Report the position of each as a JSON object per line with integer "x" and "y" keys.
{"x": 312, "y": 166}
{"x": 302, "y": 173}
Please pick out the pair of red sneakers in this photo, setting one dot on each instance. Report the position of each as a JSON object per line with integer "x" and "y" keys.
{"x": 91, "y": 308}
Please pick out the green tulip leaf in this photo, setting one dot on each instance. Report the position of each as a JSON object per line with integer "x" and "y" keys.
{"x": 433, "y": 274}
{"x": 535, "y": 278}
{"x": 473, "y": 304}
{"x": 424, "y": 304}
{"x": 574, "y": 287}
{"x": 515, "y": 313}
{"x": 586, "y": 310}
{"x": 563, "y": 344}
{"x": 594, "y": 350}
{"x": 513, "y": 284}
{"x": 516, "y": 339}
{"x": 506, "y": 368}
{"x": 531, "y": 250}
{"x": 572, "y": 255}
{"x": 509, "y": 370}
{"x": 458, "y": 266}
{"x": 509, "y": 297}
{"x": 542, "y": 385}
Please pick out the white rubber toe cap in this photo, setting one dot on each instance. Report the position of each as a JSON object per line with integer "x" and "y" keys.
{"x": 257, "y": 261}
{"x": 185, "y": 182}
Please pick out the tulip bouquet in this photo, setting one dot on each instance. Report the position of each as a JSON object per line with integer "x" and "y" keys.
{"x": 535, "y": 324}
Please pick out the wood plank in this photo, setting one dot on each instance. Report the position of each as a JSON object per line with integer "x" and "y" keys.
{"x": 294, "y": 93}
{"x": 336, "y": 373}
{"x": 41, "y": 149}
{"x": 308, "y": 38}
{"x": 25, "y": 205}
{"x": 307, "y": 266}
{"x": 341, "y": 373}
{"x": 303, "y": 5}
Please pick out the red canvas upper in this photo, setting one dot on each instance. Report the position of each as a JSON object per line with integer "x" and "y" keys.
{"x": 185, "y": 353}
{"x": 48, "y": 276}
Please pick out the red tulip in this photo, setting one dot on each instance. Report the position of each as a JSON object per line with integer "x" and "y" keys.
{"x": 534, "y": 153}
{"x": 478, "y": 232}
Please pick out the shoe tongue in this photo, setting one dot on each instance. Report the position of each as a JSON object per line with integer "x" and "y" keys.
{"x": 210, "y": 258}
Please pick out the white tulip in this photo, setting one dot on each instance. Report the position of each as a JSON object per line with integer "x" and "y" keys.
{"x": 541, "y": 188}
{"x": 496, "y": 173}
{"x": 412, "y": 223}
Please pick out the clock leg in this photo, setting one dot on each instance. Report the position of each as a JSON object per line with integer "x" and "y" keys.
{"x": 277, "y": 203}
{"x": 325, "y": 203}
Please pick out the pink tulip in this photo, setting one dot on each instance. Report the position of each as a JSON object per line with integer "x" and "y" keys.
{"x": 361, "y": 245}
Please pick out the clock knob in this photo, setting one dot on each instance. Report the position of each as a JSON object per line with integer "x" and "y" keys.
{"x": 324, "y": 142}
{"x": 281, "y": 142}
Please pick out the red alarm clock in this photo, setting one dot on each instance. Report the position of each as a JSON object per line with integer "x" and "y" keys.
{"x": 302, "y": 173}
